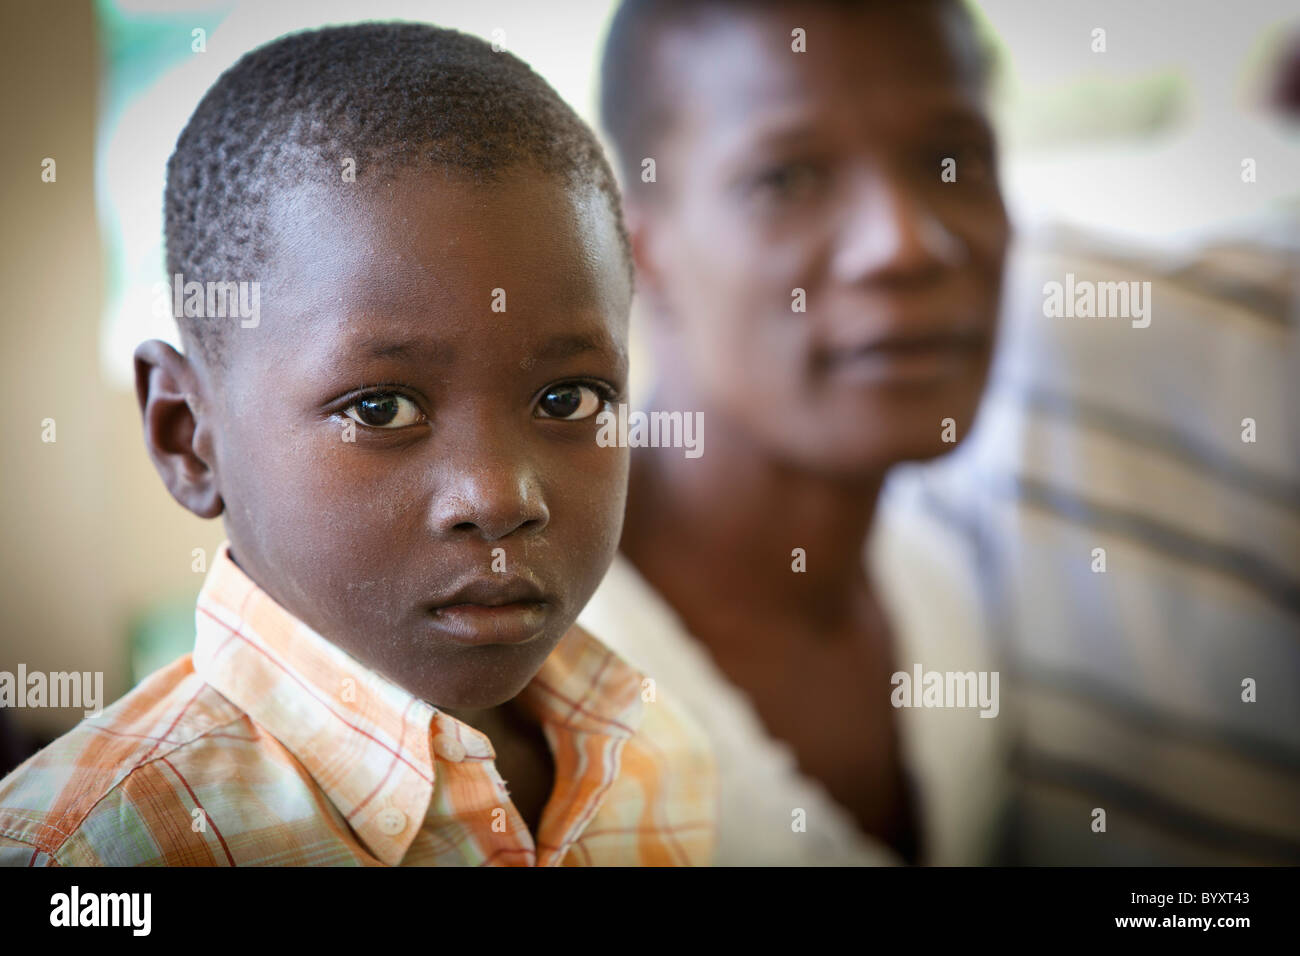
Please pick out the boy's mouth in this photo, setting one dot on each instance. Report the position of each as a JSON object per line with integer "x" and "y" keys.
{"x": 492, "y": 610}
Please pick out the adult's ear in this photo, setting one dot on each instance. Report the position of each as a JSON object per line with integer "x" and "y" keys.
{"x": 167, "y": 388}
{"x": 649, "y": 236}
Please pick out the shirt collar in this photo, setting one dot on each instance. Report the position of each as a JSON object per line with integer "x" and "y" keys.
{"x": 364, "y": 740}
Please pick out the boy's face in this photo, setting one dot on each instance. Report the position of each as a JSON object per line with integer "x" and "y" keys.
{"x": 821, "y": 171}
{"x": 395, "y": 457}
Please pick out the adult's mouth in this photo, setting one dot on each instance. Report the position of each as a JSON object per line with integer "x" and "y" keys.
{"x": 911, "y": 358}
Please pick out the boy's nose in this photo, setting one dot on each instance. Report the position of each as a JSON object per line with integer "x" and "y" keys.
{"x": 492, "y": 501}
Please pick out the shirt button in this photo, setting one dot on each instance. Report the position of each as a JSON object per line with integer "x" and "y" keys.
{"x": 392, "y": 821}
{"x": 449, "y": 748}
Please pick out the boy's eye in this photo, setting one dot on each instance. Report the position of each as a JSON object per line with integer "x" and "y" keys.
{"x": 384, "y": 411}
{"x": 572, "y": 402}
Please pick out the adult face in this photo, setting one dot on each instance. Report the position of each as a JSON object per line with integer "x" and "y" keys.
{"x": 823, "y": 171}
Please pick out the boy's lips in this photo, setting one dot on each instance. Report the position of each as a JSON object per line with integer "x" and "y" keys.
{"x": 498, "y": 609}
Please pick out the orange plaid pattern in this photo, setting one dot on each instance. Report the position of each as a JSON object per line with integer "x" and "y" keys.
{"x": 270, "y": 746}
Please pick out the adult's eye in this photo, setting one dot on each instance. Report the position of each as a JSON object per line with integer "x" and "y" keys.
{"x": 389, "y": 410}
{"x": 974, "y": 162}
{"x": 572, "y": 402}
{"x": 787, "y": 182}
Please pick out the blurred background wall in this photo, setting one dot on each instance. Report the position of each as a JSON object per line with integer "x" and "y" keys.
{"x": 89, "y": 533}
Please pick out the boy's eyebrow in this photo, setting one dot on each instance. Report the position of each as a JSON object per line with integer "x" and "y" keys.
{"x": 559, "y": 347}
{"x": 387, "y": 348}
{"x": 566, "y": 346}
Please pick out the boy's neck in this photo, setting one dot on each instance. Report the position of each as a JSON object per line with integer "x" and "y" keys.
{"x": 489, "y": 721}
{"x": 523, "y": 756}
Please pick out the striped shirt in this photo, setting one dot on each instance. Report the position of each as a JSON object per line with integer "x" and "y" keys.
{"x": 1134, "y": 496}
{"x": 268, "y": 745}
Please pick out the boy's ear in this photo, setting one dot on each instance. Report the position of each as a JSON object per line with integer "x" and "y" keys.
{"x": 166, "y": 386}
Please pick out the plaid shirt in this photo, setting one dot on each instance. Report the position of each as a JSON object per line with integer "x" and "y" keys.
{"x": 270, "y": 746}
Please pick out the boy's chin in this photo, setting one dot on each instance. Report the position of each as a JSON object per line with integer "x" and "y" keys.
{"x": 501, "y": 690}
{"x": 477, "y": 677}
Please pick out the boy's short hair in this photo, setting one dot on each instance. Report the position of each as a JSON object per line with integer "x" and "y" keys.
{"x": 388, "y": 96}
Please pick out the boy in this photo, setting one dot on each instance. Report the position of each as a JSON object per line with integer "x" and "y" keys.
{"x": 403, "y": 450}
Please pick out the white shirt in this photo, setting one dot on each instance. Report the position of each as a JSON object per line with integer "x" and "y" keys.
{"x": 954, "y": 756}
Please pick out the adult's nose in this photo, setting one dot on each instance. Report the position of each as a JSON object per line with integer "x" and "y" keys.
{"x": 891, "y": 234}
